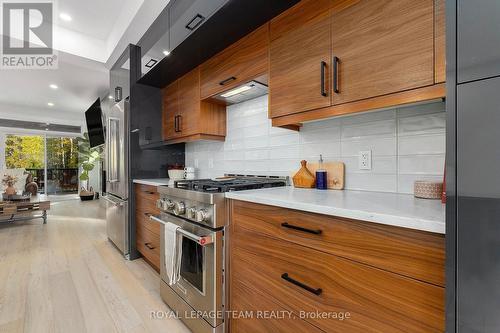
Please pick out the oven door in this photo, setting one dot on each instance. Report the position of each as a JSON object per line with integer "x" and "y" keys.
{"x": 201, "y": 267}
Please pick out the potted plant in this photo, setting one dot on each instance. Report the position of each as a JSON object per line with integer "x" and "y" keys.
{"x": 9, "y": 181}
{"x": 88, "y": 157}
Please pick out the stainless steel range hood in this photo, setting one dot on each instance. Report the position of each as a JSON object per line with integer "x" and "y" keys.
{"x": 243, "y": 92}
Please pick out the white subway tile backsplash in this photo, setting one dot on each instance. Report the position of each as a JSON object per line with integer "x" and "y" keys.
{"x": 378, "y": 146}
{"x": 426, "y": 124}
{"x": 421, "y": 164}
{"x": 284, "y": 140}
{"x": 407, "y": 144}
{"x": 383, "y": 128}
{"x": 422, "y": 144}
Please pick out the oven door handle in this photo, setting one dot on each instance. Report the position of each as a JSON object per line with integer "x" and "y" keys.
{"x": 202, "y": 240}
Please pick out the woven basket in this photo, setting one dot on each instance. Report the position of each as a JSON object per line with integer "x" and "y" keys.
{"x": 86, "y": 195}
{"x": 428, "y": 189}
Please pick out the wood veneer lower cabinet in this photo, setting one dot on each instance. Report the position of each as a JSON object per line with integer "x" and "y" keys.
{"x": 147, "y": 232}
{"x": 270, "y": 272}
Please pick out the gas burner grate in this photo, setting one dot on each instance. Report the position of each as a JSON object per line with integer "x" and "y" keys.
{"x": 238, "y": 183}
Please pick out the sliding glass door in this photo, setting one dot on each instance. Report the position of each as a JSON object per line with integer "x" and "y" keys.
{"x": 27, "y": 152}
{"x": 51, "y": 160}
{"x": 62, "y": 165}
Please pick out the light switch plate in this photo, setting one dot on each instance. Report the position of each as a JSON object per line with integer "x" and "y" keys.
{"x": 365, "y": 160}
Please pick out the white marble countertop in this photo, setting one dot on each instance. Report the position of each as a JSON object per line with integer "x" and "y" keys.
{"x": 402, "y": 210}
{"x": 153, "y": 181}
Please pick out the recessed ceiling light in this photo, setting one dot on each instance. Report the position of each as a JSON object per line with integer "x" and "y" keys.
{"x": 53, "y": 86}
{"x": 166, "y": 53}
{"x": 110, "y": 97}
{"x": 65, "y": 17}
{"x": 50, "y": 104}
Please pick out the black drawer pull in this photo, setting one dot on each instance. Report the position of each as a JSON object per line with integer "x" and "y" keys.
{"x": 223, "y": 82}
{"x": 177, "y": 123}
{"x": 315, "y": 291}
{"x": 336, "y": 62}
{"x": 294, "y": 227}
{"x": 323, "y": 68}
{"x": 149, "y": 246}
{"x": 195, "y": 22}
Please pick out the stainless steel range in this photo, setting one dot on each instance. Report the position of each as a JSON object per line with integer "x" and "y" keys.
{"x": 198, "y": 208}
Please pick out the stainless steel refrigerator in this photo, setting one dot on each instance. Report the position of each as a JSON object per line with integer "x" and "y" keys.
{"x": 117, "y": 187}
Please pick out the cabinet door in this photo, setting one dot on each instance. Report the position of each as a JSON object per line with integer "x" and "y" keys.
{"x": 241, "y": 62}
{"x": 299, "y": 54}
{"x": 170, "y": 110}
{"x": 478, "y": 39}
{"x": 382, "y": 47}
{"x": 189, "y": 103}
{"x": 188, "y": 15}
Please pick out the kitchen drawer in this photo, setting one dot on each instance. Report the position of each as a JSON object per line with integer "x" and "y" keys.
{"x": 142, "y": 220}
{"x": 377, "y": 301}
{"x": 248, "y": 299}
{"x": 148, "y": 244}
{"x": 408, "y": 252}
{"x": 188, "y": 15}
{"x": 239, "y": 63}
{"x": 147, "y": 190}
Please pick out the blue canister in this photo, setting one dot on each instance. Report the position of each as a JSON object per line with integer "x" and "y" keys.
{"x": 321, "y": 179}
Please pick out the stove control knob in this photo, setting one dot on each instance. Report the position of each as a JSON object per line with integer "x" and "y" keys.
{"x": 191, "y": 213}
{"x": 179, "y": 208}
{"x": 167, "y": 204}
{"x": 201, "y": 215}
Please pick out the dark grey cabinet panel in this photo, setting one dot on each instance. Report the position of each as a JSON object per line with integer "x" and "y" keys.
{"x": 478, "y": 224}
{"x": 187, "y": 15}
{"x": 478, "y": 39}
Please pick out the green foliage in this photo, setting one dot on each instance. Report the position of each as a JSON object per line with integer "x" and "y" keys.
{"x": 27, "y": 151}
{"x": 24, "y": 152}
{"x": 88, "y": 156}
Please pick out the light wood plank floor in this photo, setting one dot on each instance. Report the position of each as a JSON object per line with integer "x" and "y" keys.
{"x": 65, "y": 276}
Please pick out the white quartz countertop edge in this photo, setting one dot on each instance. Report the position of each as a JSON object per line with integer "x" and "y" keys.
{"x": 152, "y": 181}
{"x": 415, "y": 223}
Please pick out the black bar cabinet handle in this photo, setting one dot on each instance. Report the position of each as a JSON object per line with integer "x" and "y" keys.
{"x": 294, "y": 227}
{"x": 336, "y": 62}
{"x": 223, "y": 82}
{"x": 323, "y": 67}
{"x": 177, "y": 124}
{"x": 149, "y": 246}
{"x": 315, "y": 291}
{"x": 198, "y": 17}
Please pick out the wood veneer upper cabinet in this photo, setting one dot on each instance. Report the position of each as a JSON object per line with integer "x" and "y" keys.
{"x": 300, "y": 43}
{"x": 189, "y": 103}
{"x": 383, "y": 47}
{"x": 170, "y": 110}
{"x": 440, "y": 41}
{"x": 186, "y": 117}
{"x": 241, "y": 62}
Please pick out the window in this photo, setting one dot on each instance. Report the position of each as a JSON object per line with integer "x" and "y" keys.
{"x": 52, "y": 161}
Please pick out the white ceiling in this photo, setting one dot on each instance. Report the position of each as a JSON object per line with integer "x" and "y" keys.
{"x": 95, "y": 18}
{"x": 88, "y": 46}
{"x": 80, "y": 81}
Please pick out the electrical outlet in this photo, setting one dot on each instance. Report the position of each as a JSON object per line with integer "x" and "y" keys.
{"x": 196, "y": 163}
{"x": 365, "y": 160}
{"x": 210, "y": 163}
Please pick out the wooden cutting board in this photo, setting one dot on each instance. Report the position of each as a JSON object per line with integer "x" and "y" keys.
{"x": 335, "y": 175}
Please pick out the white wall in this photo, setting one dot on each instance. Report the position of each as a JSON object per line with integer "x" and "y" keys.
{"x": 407, "y": 144}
